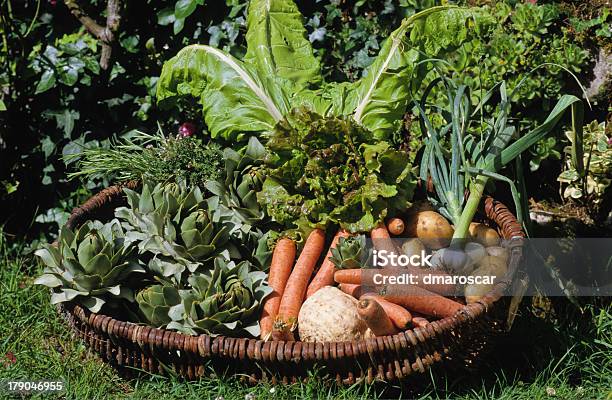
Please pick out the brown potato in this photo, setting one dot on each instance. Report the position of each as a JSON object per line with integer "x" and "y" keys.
{"x": 475, "y": 252}
{"x": 483, "y": 234}
{"x": 499, "y": 252}
{"x": 487, "y": 268}
{"x": 413, "y": 246}
{"x": 432, "y": 228}
{"x": 473, "y": 227}
{"x": 494, "y": 265}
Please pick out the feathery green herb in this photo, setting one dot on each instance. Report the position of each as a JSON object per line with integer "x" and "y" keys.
{"x": 154, "y": 158}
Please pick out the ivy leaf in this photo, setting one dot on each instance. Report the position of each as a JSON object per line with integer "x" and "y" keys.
{"x": 178, "y": 25}
{"x": 216, "y": 34}
{"x": 165, "y": 16}
{"x": 51, "y": 54}
{"x": 68, "y": 121}
{"x": 184, "y": 8}
{"x": 70, "y": 75}
{"x": 92, "y": 65}
{"x": 130, "y": 43}
{"x": 47, "y": 81}
{"x": 48, "y": 146}
{"x": 47, "y": 180}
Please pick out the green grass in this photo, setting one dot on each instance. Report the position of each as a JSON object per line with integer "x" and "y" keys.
{"x": 569, "y": 353}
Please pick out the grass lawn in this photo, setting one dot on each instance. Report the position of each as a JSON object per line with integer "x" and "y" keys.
{"x": 567, "y": 355}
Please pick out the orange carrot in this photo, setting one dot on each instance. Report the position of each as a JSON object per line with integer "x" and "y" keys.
{"x": 381, "y": 239}
{"x": 375, "y": 317}
{"x": 325, "y": 275}
{"x": 419, "y": 322}
{"x": 351, "y": 276}
{"x": 430, "y": 280}
{"x": 399, "y": 315}
{"x": 396, "y": 226}
{"x": 351, "y": 289}
{"x": 421, "y": 300}
{"x": 293, "y": 296}
{"x": 280, "y": 268}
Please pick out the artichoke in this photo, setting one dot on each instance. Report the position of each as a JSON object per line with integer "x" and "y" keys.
{"x": 235, "y": 198}
{"x": 172, "y": 223}
{"x": 89, "y": 266}
{"x": 236, "y": 192}
{"x": 155, "y": 302}
{"x": 350, "y": 252}
{"x": 223, "y": 301}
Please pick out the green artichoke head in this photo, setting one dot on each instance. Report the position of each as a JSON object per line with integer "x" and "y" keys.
{"x": 349, "y": 253}
{"x": 89, "y": 265}
{"x": 172, "y": 223}
{"x": 155, "y": 302}
{"x": 223, "y": 301}
{"x": 235, "y": 196}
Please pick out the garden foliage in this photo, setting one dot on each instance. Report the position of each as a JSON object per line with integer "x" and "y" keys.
{"x": 56, "y": 100}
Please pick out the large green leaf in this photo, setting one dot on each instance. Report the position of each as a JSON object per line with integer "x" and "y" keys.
{"x": 235, "y": 99}
{"x": 381, "y": 96}
{"x": 315, "y": 100}
{"x": 519, "y": 146}
{"x": 277, "y": 44}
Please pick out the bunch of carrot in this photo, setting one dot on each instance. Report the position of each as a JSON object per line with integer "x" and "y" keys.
{"x": 290, "y": 287}
{"x": 384, "y": 314}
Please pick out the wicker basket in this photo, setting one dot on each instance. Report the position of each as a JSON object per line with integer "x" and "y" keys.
{"x": 458, "y": 339}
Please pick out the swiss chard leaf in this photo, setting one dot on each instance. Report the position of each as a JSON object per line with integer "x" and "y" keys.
{"x": 277, "y": 44}
{"x": 380, "y": 98}
{"x": 235, "y": 99}
{"x": 382, "y": 95}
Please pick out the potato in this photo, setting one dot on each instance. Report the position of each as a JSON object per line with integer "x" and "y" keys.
{"x": 499, "y": 252}
{"x": 449, "y": 260}
{"x": 494, "y": 265}
{"x": 472, "y": 228}
{"x": 475, "y": 252}
{"x": 436, "y": 259}
{"x": 432, "y": 228}
{"x": 454, "y": 260}
{"x": 413, "y": 246}
{"x": 474, "y": 292}
{"x": 483, "y": 234}
{"x": 330, "y": 315}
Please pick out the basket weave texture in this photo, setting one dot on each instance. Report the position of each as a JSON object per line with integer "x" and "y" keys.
{"x": 460, "y": 338}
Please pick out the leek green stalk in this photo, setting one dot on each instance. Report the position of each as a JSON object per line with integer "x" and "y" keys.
{"x": 476, "y": 157}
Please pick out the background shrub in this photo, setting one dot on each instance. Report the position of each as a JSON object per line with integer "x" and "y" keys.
{"x": 56, "y": 99}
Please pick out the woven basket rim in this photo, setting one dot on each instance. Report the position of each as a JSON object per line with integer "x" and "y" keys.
{"x": 144, "y": 334}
